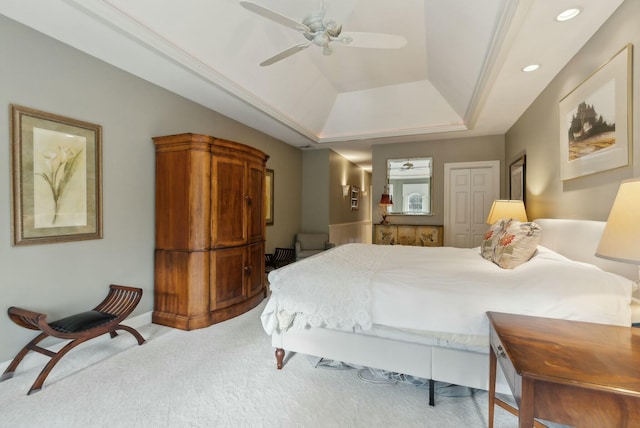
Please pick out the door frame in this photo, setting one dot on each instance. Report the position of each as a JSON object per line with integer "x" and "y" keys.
{"x": 495, "y": 167}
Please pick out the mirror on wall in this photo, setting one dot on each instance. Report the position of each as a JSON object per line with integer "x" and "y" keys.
{"x": 409, "y": 184}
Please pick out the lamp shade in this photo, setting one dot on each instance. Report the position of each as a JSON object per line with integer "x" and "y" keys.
{"x": 620, "y": 240}
{"x": 507, "y": 209}
{"x": 386, "y": 199}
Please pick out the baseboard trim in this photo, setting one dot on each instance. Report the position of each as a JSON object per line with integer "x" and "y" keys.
{"x": 34, "y": 359}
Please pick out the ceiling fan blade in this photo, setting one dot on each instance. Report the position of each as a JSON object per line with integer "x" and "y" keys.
{"x": 374, "y": 40}
{"x": 274, "y": 16}
{"x": 284, "y": 54}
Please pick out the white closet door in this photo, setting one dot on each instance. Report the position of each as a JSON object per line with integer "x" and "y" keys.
{"x": 482, "y": 196}
{"x": 460, "y": 218}
{"x": 470, "y": 189}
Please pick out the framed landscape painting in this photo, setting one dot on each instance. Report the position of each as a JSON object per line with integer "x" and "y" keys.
{"x": 595, "y": 120}
{"x": 57, "y": 178}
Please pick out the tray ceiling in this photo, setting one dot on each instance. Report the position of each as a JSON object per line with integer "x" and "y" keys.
{"x": 459, "y": 73}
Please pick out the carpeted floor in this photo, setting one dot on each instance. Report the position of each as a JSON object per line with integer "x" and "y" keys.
{"x": 221, "y": 376}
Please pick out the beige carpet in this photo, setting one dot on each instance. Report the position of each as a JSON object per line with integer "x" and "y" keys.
{"x": 221, "y": 376}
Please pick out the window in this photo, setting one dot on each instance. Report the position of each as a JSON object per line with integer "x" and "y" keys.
{"x": 414, "y": 203}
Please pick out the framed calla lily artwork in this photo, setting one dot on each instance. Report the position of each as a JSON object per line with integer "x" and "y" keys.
{"x": 57, "y": 178}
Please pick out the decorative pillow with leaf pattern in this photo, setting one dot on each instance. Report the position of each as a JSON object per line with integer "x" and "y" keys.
{"x": 517, "y": 244}
{"x": 491, "y": 239}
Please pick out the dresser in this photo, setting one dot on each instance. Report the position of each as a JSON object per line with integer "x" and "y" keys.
{"x": 400, "y": 234}
{"x": 210, "y": 230}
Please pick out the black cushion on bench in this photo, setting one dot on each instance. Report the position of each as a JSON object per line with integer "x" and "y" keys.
{"x": 81, "y": 322}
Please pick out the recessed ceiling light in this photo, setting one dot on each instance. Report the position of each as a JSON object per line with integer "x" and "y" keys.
{"x": 529, "y": 68}
{"x": 568, "y": 14}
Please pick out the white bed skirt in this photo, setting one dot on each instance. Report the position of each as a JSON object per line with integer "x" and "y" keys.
{"x": 429, "y": 362}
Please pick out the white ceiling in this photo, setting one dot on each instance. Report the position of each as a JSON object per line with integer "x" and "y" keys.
{"x": 458, "y": 75}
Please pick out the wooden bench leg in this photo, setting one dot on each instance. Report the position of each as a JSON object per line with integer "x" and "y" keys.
{"x": 131, "y": 330}
{"x": 57, "y": 356}
{"x": 8, "y": 373}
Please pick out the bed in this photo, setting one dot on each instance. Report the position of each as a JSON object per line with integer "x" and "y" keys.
{"x": 368, "y": 305}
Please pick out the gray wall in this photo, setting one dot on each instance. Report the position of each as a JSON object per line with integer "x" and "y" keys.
{"x": 342, "y": 171}
{"x": 315, "y": 193}
{"x": 61, "y": 279}
{"x": 537, "y": 131}
{"x": 324, "y": 174}
{"x": 443, "y": 151}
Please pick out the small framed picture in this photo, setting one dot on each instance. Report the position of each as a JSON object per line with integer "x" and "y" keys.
{"x": 268, "y": 197}
{"x": 517, "y": 176}
{"x": 355, "y": 198}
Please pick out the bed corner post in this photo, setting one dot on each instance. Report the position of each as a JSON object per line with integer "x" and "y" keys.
{"x": 279, "y": 357}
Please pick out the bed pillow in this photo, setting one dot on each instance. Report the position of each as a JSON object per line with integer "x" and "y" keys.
{"x": 517, "y": 244}
{"x": 491, "y": 239}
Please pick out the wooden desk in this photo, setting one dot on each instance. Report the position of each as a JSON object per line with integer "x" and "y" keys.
{"x": 575, "y": 373}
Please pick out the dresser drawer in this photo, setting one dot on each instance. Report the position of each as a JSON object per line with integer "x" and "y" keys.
{"x": 513, "y": 379}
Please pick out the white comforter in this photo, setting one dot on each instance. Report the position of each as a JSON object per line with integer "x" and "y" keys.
{"x": 439, "y": 289}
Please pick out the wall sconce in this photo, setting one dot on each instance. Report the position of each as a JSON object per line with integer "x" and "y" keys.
{"x": 507, "y": 209}
{"x": 385, "y": 202}
{"x": 345, "y": 190}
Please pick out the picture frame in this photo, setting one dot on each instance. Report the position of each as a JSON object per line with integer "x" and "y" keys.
{"x": 517, "y": 179}
{"x": 596, "y": 120}
{"x": 56, "y": 178}
{"x": 355, "y": 198}
{"x": 269, "y": 186}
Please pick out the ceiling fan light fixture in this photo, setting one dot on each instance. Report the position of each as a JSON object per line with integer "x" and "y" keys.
{"x": 321, "y": 39}
{"x": 330, "y": 24}
{"x": 407, "y": 165}
{"x": 568, "y": 14}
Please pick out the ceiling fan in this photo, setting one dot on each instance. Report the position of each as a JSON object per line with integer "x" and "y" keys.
{"x": 407, "y": 165}
{"x": 322, "y": 32}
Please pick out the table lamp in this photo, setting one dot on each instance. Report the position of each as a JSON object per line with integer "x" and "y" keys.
{"x": 620, "y": 240}
{"x": 385, "y": 201}
{"x": 507, "y": 209}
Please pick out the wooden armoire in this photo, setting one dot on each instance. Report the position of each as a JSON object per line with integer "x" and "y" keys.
{"x": 210, "y": 230}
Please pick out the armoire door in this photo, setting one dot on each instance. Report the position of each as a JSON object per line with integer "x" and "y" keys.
{"x": 228, "y": 270}
{"x": 256, "y": 208}
{"x": 255, "y": 275}
{"x": 229, "y": 201}
{"x": 470, "y": 189}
